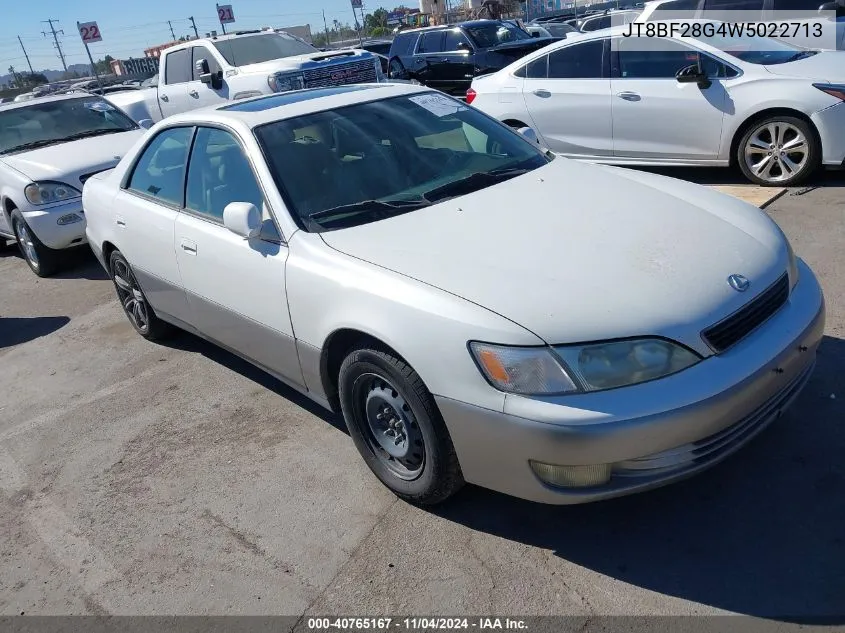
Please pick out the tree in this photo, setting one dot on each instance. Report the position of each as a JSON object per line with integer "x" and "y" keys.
{"x": 376, "y": 19}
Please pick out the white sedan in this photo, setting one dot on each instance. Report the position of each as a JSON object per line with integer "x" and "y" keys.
{"x": 48, "y": 149}
{"x": 774, "y": 110}
{"x": 478, "y": 309}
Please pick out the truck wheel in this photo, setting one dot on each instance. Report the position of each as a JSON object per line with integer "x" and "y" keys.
{"x": 43, "y": 261}
{"x": 395, "y": 424}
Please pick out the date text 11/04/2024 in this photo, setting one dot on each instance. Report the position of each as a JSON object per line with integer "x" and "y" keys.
{"x": 414, "y": 624}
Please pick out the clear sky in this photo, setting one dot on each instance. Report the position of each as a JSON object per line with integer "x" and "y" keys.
{"x": 130, "y": 26}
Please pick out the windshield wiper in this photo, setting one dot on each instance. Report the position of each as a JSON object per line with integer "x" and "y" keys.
{"x": 472, "y": 183}
{"x": 378, "y": 208}
{"x": 32, "y": 145}
{"x": 88, "y": 134}
{"x": 801, "y": 55}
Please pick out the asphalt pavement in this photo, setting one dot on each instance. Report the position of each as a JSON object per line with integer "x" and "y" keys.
{"x": 138, "y": 478}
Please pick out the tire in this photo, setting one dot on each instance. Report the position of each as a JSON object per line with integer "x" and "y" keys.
{"x": 42, "y": 260}
{"x": 396, "y": 69}
{"x": 422, "y": 468}
{"x": 141, "y": 315}
{"x": 763, "y": 153}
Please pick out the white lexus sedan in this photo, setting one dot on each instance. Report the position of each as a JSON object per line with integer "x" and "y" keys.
{"x": 774, "y": 110}
{"x": 48, "y": 149}
{"x": 478, "y": 309}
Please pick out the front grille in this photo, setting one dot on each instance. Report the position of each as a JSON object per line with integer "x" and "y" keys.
{"x": 358, "y": 72}
{"x": 711, "y": 449}
{"x": 740, "y": 324}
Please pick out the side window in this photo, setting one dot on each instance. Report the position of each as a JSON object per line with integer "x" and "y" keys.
{"x": 581, "y": 61}
{"x": 403, "y": 44}
{"x": 715, "y": 69}
{"x": 201, "y": 52}
{"x": 453, "y": 39}
{"x": 659, "y": 61}
{"x": 431, "y": 42}
{"x": 219, "y": 174}
{"x": 160, "y": 172}
{"x": 536, "y": 69}
{"x": 178, "y": 67}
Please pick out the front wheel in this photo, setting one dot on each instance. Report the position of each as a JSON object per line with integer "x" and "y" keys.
{"x": 395, "y": 425}
{"x": 139, "y": 312}
{"x": 42, "y": 260}
{"x": 779, "y": 151}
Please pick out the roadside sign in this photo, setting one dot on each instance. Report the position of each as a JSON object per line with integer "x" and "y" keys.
{"x": 357, "y": 4}
{"x": 225, "y": 13}
{"x": 90, "y": 32}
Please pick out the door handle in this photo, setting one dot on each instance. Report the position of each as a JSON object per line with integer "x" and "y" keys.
{"x": 544, "y": 94}
{"x": 194, "y": 94}
{"x": 188, "y": 246}
{"x": 164, "y": 98}
{"x": 629, "y": 96}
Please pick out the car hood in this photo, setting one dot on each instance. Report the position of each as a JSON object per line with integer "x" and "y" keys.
{"x": 577, "y": 252}
{"x": 824, "y": 66}
{"x": 69, "y": 162}
{"x": 307, "y": 61}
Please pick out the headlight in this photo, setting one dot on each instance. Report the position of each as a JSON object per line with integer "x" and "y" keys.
{"x": 47, "y": 192}
{"x": 622, "y": 363}
{"x": 523, "y": 370}
{"x": 284, "y": 82}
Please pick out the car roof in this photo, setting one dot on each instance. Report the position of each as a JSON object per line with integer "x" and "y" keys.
{"x": 286, "y": 105}
{"x": 441, "y": 27}
{"x": 47, "y": 99}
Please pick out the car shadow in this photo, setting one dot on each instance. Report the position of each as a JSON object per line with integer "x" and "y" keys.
{"x": 81, "y": 264}
{"x": 188, "y": 342}
{"x": 17, "y": 330}
{"x": 760, "y": 534}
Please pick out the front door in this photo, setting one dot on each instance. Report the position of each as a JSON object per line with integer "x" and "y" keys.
{"x": 567, "y": 94}
{"x": 173, "y": 89}
{"x": 458, "y": 65}
{"x": 201, "y": 95}
{"x": 428, "y": 60}
{"x": 655, "y": 116}
{"x": 235, "y": 287}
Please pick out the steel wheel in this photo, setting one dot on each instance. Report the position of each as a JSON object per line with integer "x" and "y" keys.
{"x": 130, "y": 295}
{"x": 777, "y": 151}
{"x": 27, "y": 245}
{"x": 389, "y": 426}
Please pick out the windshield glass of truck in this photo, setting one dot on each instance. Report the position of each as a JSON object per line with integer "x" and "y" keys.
{"x": 371, "y": 161}
{"x": 254, "y": 49}
{"x": 42, "y": 123}
{"x": 495, "y": 33}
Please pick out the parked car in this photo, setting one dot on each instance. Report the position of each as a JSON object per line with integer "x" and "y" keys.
{"x": 213, "y": 71}
{"x": 791, "y": 11}
{"x": 379, "y": 47}
{"x": 448, "y": 57}
{"x": 48, "y": 149}
{"x": 773, "y": 109}
{"x": 26, "y": 96}
{"x": 606, "y": 19}
{"x": 552, "y": 30}
{"x": 404, "y": 259}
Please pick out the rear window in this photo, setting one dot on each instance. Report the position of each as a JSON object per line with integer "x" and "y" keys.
{"x": 403, "y": 44}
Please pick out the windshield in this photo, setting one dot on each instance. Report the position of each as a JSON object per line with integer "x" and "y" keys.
{"x": 560, "y": 30}
{"x": 495, "y": 33}
{"x": 255, "y": 49}
{"x": 757, "y": 50}
{"x": 370, "y": 161}
{"x": 46, "y": 123}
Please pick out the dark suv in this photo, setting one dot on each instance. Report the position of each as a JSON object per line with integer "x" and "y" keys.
{"x": 449, "y": 57}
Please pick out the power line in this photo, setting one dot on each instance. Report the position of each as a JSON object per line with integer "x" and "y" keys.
{"x": 56, "y": 40}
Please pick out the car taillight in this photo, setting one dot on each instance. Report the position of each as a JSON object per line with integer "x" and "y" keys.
{"x": 834, "y": 90}
{"x": 471, "y": 95}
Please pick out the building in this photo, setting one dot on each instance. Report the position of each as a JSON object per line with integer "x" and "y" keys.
{"x": 138, "y": 67}
{"x": 155, "y": 51}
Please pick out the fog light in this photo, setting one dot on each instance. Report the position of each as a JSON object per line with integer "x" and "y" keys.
{"x": 70, "y": 218}
{"x": 572, "y": 476}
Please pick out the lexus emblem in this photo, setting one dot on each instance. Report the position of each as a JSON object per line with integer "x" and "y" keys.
{"x": 738, "y": 283}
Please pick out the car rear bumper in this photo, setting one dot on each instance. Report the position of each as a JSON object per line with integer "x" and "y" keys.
{"x": 45, "y": 224}
{"x": 651, "y": 434}
{"x": 830, "y": 123}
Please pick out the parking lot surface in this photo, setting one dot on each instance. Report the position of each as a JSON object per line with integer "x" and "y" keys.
{"x": 176, "y": 479}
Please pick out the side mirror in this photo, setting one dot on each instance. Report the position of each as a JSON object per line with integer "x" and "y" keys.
{"x": 145, "y": 124}
{"x": 529, "y": 134}
{"x": 693, "y": 74}
{"x": 202, "y": 66}
{"x": 242, "y": 218}
{"x": 214, "y": 80}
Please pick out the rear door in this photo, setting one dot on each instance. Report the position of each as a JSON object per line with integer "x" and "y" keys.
{"x": 567, "y": 93}
{"x": 201, "y": 94}
{"x": 173, "y": 90}
{"x": 458, "y": 65}
{"x": 428, "y": 60}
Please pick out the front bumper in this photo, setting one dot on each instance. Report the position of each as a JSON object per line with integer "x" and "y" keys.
{"x": 44, "y": 223}
{"x": 830, "y": 123}
{"x": 654, "y": 433}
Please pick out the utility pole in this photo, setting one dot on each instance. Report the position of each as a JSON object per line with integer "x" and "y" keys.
{"x": 56, "y": 39}
{"x": 172, "y": 34}
{"x": 29, "y": 63}
{"x": 194, "y": 25}
{"x": 326, "y": 26}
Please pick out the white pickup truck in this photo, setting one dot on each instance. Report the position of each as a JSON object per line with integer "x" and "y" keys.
{"x": 206, "y": 72}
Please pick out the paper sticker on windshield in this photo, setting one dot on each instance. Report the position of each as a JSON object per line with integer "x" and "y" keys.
{"x": 438, "y": 105}
{"x": 99, "y": 106}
